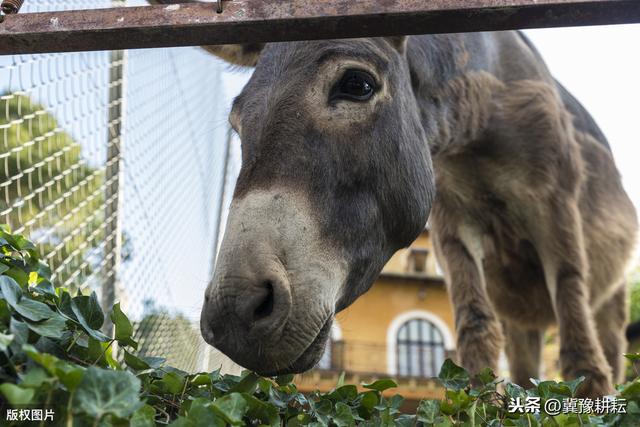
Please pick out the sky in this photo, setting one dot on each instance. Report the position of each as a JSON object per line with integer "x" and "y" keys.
{"x": 600, "y": 66}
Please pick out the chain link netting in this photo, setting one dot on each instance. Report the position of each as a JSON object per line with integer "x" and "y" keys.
{"x": 112, "y": 163}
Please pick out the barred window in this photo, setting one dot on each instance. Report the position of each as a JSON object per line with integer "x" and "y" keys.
{"x": 420, "y": 349}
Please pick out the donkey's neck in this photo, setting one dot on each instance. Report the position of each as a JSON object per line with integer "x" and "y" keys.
{"x": 455, "y": 78}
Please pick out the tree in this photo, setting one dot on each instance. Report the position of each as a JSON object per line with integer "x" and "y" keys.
{"x": 48, "y": 190}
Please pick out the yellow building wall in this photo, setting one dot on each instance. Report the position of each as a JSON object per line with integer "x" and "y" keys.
{"x": 365, "y": 324}
{"x": 398, "y": 262}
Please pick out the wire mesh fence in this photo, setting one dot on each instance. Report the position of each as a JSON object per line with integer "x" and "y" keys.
{"x": 112, "y": 163}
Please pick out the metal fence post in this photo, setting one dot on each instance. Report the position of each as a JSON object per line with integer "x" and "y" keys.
{"x": 223, "y": 188}
{"x": 205, "y": 353}
{"x": 113, "y": 232}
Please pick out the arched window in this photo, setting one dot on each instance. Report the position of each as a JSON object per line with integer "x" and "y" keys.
{"x": 420, "y": 349}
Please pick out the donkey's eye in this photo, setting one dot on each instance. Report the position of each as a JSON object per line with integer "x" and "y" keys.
{"x": 355, "y": 86}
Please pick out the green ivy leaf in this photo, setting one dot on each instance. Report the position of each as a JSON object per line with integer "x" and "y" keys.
{"x": 89, "y": 314}
{"x": 134, "y": 362}
{"x": 428, "y": 411}
{"x": 45, "y": 287}
{"x": 200, "y": 414}
{"x": 278, "y": 398}
{"x": 345, "y": 393}
{"x": 11, "y": 291}
{"x": 154, "y": 362}
{"x": 69, "y": 374}
{"x": 343, "y": 416}
{"x": 95, "y": 350}
{"x": 5, "y": 341}
{"x": 89, "y": 309}
{"x": 64, "y": 307}
{"x": 515, "y": 391}
{"x": 395, "y": 402}
{"x": 552, "y": 389}
{"x": 123, "y": 327}
{"x": 369, "y": 400}
{"x": 453, "y": 376}
{"x": 44, "y": 271}
{"x": 247, "y": 384}
{"x": 35, "y": 377}
{"x": 574, "y": 384}
{"x": 17, "y": 274}
{"x": 20, "y": 331}
{"x": 23, "y": 243}
{"x": 381, "y": 385}
{"x": 103, "y": 392}
{"x": 173, "y": 382}
{"x": 201, "y": 379}
{"x": 47, "y": 361}
{"x": 259, "y": 410}
{"x": 231, "y": 408}
{"x": 406, "y": 421}
{"x": 486, "y": 376}
{"x": 50, "y": 328}
{"x": 5, "y": 313}
{"x": 284, "y": 379}
{"x": 456, "y": 401}
{"x": 17, "y": 395}
{"x": 631, "y": 390}
{"x": 143, "y": 417}
{"x": 340, "y": 380}
{"x": 34, "y": 310}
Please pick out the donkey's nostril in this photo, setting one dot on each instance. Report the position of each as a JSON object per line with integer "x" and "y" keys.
{"x": 265, "y": 308}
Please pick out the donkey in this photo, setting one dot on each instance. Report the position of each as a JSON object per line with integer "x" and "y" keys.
{"x": 531, "y": 224}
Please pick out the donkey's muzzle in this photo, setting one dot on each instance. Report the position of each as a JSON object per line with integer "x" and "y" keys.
{"x": 275, "y": 286}
{"x": 246, "y": 311}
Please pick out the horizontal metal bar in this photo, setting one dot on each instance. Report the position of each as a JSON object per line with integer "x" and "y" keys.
{"x": 250, "y": 21}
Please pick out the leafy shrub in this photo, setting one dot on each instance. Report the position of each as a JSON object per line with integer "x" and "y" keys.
{"x": 53, "y": 355}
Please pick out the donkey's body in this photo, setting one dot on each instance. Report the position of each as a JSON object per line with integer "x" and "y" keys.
{"x": 530, "y": 220}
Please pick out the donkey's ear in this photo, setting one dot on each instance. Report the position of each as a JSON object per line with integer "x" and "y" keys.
{"x": 398, "y": 42}
{"x": 245, "y": 55}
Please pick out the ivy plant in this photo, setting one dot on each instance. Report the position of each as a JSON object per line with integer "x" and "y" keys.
{"x": 54, "y": 356}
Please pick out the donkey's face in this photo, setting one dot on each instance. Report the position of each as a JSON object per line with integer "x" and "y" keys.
{"x": 336, "y": 176}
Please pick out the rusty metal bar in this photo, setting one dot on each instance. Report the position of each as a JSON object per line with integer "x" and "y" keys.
{"x": 246, "y": 21}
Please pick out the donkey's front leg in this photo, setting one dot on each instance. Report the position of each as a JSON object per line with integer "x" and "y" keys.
{"x": 479, "y": 334}
{"x": 566, "y": 271}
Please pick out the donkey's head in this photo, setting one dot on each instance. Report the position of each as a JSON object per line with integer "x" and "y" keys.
{"x": 336, "y": 176}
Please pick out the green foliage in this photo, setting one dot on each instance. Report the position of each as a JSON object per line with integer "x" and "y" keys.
{"x": 53, "y": 355}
